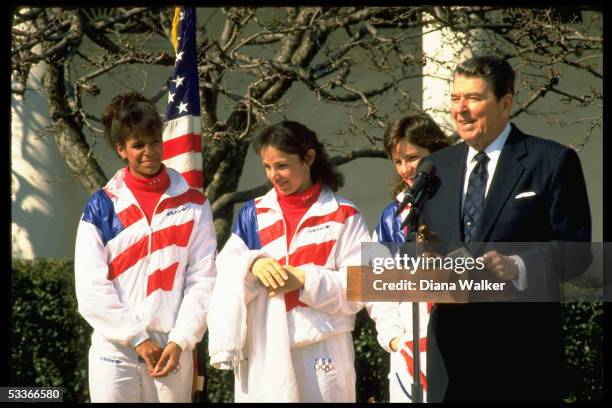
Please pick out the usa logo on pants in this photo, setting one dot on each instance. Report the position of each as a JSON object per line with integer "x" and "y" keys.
{"x": 323, "y": 365}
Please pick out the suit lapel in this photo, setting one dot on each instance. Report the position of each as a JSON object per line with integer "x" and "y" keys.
{"x": 507, "y": 174}
{"x": 455, "y": 191}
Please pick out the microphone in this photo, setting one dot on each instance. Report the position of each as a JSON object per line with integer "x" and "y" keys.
{"x": 425, "y": 171}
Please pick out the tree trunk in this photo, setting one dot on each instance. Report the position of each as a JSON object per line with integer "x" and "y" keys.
{"x": 225, "y": 180}
{"x": 67, "y": 132}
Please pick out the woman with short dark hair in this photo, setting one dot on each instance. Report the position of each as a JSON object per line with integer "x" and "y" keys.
{"x": 144, "y": 266}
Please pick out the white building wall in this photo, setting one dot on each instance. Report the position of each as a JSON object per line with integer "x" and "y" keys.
{"x": 46, "y": 198}
{"x": 442, "y": 50}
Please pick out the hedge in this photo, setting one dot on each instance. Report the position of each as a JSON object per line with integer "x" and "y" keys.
{"x": 49, "y": 339}
{"x": 50, "y": 342}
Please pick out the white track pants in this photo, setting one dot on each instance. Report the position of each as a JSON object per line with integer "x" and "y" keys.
{"x": 116, "y": 374}
{"x": 400, "y": 380}
{"x": 325, "y": 371}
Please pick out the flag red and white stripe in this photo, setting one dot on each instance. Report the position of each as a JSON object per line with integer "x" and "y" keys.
{"x": 183, "y": 127}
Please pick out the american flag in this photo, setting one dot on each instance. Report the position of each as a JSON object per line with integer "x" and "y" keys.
{"x": 183, "y": 127}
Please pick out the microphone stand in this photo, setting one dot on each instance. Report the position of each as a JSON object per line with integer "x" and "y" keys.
{"x": 413, "y": 221}
{"x": 417, "y": 388}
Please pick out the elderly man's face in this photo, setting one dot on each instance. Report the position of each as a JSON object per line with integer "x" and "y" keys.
{"x": 478, "y": 115}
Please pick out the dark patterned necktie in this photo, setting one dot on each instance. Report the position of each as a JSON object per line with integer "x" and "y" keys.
{"x": 474, "y": 197}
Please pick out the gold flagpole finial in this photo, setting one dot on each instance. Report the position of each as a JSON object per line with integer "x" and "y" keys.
{"x": 174, "y": 32}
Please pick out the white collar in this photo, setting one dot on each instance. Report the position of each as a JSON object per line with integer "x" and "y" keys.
{"x": 400, "y": 196}
{"x": 495, "y": 147}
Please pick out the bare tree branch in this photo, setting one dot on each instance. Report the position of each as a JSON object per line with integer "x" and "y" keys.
{"x": 238, "y": 197}
{"x": 584, "y": 99}
{"x": 536, "y": 95}
{"x": 72, "y": 39}
{"x": 135, "y": 12}
{"x": 69, "y": 137}
{"x": 162, "y": 58}
{"x": 358, "y": 154}
{"x": 356, "y": 58}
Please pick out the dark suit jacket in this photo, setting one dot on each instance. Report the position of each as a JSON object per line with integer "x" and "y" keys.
{"x": 508, "y": 351}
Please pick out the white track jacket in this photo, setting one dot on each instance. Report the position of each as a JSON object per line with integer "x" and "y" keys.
{"x": 327, "y": 240}
{"x": 133, "y": 278}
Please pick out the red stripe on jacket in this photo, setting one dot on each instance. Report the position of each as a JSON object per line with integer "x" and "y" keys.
{"x": 128, "y": 258}
{"x": 174, "y": 235}
{"x": 271, "y": 232}
{"x": 292, "y": 300}
{"x": 190, "y": 196}
{"x": 312, "y": 253}
{"x": 162, "y": 279}
{"x": 128, "y": 216}
{"x": 340, "y": 215}
{"x": 182, "y": 144}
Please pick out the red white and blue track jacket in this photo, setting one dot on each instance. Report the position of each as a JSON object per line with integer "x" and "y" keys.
{"x": 327, "y": 240}
{"x": 133, "y": 278}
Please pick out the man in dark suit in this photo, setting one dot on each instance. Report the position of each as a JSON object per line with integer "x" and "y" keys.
{"x": 501, "y": 185}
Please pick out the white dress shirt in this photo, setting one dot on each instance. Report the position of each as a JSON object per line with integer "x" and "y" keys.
{"x": 493, "y": 151}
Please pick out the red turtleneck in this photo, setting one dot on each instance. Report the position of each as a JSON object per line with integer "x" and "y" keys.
{"x": 148, "y": 191}
{"x": 294, "y": 206}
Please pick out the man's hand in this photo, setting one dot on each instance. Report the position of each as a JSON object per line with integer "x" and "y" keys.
{"x": 150, "y": 351}
{"x": 425, "y": 234}
{"x": 269, "y": 272}
{"x": 169, "y": 360}
{"x": 501, "y": 266}
{"x": 296, "y": 278}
